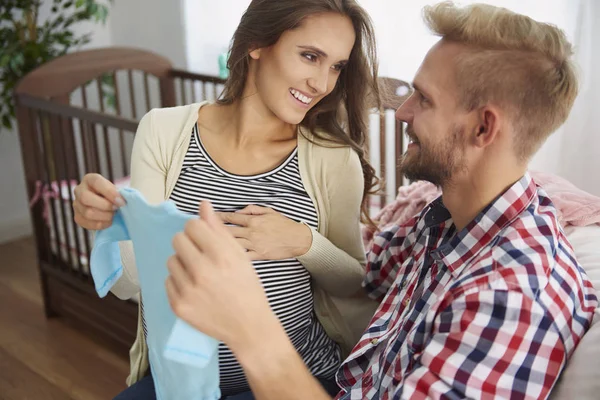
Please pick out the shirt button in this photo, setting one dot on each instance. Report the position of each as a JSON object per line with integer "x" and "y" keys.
{"x": 406, "y": 302}
{"x": 374, "y": 341}
{"x": 403, "y": 284}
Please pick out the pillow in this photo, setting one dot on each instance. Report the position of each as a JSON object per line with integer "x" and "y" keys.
{"x": 575, "y": 206}
{"x": 581, "y": 378}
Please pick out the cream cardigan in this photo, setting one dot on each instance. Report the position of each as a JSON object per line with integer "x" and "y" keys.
{"x": 332, "y": 177}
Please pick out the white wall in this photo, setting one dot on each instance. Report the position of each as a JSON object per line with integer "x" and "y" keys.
{"x": 209, "y": 26}
{"x": 156, "y": 25}
{"x": 14, "y": 213}
{"x": 14, "y": 209}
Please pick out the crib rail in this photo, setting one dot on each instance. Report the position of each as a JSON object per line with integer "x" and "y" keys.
{"x": 60, "y": 143}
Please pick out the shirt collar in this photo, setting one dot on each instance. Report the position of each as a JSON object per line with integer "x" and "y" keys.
{"x": 480, "y": 232}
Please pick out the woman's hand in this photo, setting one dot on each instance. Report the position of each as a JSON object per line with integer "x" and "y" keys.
{"x": 96, "y": 199}
{"x": 268, "y": 235}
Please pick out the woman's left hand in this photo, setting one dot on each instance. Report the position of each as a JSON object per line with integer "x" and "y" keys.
{"x": 268, "y": 235}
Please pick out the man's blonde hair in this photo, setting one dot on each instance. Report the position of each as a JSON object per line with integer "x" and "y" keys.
{"x": 512, "y": 61}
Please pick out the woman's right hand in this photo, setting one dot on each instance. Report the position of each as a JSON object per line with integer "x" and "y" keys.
{"x": 96, "y": 199}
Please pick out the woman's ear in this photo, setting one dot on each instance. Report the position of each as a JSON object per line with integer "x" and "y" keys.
{"x": 255, "y": 54}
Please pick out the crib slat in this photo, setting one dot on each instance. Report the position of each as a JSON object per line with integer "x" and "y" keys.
{"x": 131, "y": 94}
{"x": 183, "y": 94}
{"x": 147, "y": 91}
{"x": 367, "y": 148}
{"x": 91, "y": 134}
{"x": 88, "y": 136}
{"x": 60, "y": 165}
{"x": 215, "y": 95}
{"x": 203, "y": 84}
{"x": 38, "y": 145}
{"x": 89, "y": 145}
{"x": 69, "y": 149}
{"x": 48, "y": 156}
{"x": 70, "y": 159}
{"x": 91, "y": 161}
{"x": 194, "y": 98}
{"x": 109, "y": 166}
{"x": 87, "y": 156}
{"x": 398, "y": 153}
{"x": 382, "y": 158}
{"x": 121, "y": 137}
{"x": 84, "y": 97}
{"x": 74, "y": 179}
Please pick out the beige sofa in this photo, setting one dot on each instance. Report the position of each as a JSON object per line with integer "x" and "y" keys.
{"x": 581, "y": 379}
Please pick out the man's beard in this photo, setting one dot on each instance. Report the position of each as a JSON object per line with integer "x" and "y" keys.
{"x": 435, "y": 163}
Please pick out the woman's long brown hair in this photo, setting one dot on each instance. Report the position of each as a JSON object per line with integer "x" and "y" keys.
{"x": 343, "y": 114}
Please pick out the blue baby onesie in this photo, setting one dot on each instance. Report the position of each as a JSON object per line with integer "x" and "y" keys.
{"x": 184, "y": 361}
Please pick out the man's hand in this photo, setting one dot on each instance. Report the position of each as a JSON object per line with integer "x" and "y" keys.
{"x": 214, "y": 287}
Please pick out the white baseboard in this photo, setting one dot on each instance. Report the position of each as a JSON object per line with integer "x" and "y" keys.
{"x": 15, "y": 229}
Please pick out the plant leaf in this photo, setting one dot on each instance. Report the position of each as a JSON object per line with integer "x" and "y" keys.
{"x": 26, "y": 43}
{"x": 7, "y": 121}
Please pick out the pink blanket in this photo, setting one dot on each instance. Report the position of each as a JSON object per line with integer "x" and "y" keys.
{"x": 575, "y": 207}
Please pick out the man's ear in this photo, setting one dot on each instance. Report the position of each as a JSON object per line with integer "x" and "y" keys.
{"x": 488, "y": 126}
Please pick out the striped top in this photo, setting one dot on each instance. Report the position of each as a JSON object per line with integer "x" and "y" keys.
{"x": 286, "y": 282}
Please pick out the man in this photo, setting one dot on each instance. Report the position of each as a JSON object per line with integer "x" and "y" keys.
{"x": 481, "y": 295}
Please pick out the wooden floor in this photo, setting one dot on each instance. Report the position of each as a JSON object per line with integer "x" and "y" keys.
{"x": 43, "y": 359}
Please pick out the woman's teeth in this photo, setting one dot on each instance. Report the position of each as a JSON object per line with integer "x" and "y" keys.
{"x": 300, "y": 96}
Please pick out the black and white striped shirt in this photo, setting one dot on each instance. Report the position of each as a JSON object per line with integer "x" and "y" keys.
{"x": 286, "y": 282}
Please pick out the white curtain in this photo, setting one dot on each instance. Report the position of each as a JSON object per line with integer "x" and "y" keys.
{"x": 577, "y": 153}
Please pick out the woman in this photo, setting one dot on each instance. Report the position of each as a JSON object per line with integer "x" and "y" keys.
{"x": 280, "y": 156}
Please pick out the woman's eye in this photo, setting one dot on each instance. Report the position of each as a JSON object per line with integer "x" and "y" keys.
{"x": 338, "y": 67}
{"x": 310, "y": 56}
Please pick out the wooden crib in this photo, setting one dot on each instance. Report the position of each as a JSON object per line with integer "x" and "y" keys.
{"x": 78, "y": 114}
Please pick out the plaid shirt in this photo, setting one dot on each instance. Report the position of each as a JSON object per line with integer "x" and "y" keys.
{"x": 494, "y": 310}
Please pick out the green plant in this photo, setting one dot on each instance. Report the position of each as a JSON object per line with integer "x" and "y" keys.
{"x": 26, "y": 42}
